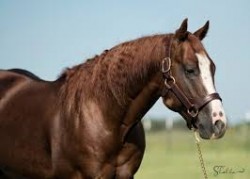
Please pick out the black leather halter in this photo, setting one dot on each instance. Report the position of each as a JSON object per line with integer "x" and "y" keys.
{"x": 193, "y": 107}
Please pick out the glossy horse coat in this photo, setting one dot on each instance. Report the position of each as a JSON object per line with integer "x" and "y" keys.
{"x": 86, "y": 124}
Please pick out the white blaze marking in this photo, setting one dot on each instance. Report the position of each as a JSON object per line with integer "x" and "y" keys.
{"x": 206, "y": 76}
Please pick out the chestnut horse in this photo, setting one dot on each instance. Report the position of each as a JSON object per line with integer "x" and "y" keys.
{"x": 86, "y": 124}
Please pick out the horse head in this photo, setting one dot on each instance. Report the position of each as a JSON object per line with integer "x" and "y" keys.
{"x": 189, "y": 85}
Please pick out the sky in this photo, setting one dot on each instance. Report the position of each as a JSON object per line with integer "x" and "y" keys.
{"x": 47, "y": 36}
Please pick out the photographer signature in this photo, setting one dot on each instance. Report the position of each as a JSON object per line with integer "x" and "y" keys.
{"x": 221, "y": 169}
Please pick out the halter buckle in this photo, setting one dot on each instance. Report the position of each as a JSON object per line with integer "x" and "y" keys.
{"x": 193, "y": 112}
{"x": 170, "y": 80}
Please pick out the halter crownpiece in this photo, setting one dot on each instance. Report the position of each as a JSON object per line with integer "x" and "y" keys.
{"x": 193, "y": 106}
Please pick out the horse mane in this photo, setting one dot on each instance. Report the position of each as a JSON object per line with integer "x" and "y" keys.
{"x": 114, "y": 74}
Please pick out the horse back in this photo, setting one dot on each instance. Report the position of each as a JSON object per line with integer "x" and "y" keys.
{"x": 9, "y": 80}
{"x": 27, "y": 110}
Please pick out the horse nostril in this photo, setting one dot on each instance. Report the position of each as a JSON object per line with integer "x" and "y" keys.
{"x": 219, "y": 124}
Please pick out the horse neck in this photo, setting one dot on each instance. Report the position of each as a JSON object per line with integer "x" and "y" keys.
{"x": 135, "y": 79}
{"x": 127, "y": 77}
{"x": 133, "y": 65}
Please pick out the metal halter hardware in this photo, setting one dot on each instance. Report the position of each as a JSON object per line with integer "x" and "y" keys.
{"x": 193, "y": 107}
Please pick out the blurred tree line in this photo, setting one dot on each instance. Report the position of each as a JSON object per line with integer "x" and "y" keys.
{"x": 160, "y": 124}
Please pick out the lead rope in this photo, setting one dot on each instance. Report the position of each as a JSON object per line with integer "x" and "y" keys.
{"x": 203, "y": 168}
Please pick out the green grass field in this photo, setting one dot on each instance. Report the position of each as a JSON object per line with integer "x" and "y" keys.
{"x": 174, "y": 154}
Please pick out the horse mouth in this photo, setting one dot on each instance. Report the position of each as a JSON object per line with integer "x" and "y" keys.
{"x": 215, "y": 131}
{"x": 203, "y": 132}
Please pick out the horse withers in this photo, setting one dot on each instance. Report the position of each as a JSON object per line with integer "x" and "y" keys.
{"x": 86, "y": 124}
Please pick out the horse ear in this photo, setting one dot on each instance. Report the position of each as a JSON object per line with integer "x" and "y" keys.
{"x": 202, "y": 32}
{"x": 181, "y": 33}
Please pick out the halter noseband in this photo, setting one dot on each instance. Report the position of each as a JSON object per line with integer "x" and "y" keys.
{"x": 193, "y": 107}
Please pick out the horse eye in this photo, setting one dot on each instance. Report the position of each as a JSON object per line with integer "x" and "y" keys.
{"x": 190, "y": 71}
